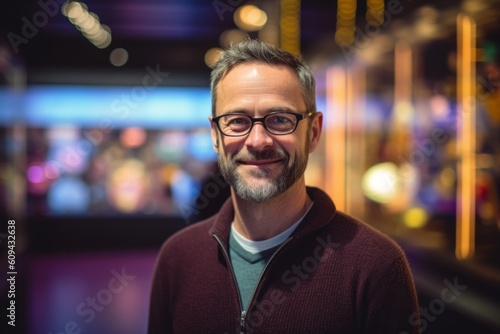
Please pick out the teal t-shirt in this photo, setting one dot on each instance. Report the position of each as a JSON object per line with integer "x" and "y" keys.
{"x": 247, "y": 268}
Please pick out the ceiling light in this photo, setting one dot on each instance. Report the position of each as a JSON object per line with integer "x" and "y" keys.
{"x": 74, "y": 10}
{"x": 118, "y": 57}
{"x": 212, "y": 56}
{"x": 250, "y": 18}
{"x": 88, "y": 23}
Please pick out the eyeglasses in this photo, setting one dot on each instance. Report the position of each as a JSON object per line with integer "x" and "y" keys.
{"x": 278, "y": 123}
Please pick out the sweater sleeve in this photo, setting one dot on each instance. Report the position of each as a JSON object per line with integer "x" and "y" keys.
{"x": 392, "y": 305}
{"x": 159, "y": 321}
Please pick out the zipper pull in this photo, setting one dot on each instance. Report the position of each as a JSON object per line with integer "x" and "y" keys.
{"x": 242, "y": 322}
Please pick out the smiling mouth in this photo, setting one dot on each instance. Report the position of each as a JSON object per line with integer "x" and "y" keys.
{"x": 259, "y": 162}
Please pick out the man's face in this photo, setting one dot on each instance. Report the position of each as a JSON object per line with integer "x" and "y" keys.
{"x": 260, "y": 166}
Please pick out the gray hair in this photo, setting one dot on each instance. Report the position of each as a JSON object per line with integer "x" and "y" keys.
{"x": 255, "y": 51}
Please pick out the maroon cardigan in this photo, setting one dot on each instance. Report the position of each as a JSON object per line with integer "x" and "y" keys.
{"x": 334, "y": 274}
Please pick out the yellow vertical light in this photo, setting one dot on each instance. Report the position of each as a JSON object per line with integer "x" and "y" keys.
{"x": 375, "y": 12}
{"x": 335, "y": 136}
{"x": 290, "y": 26}
{"x": 346, "y": 21}
{"x": 466, "y": 134}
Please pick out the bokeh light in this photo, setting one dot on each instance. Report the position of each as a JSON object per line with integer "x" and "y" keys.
{"x": 133, "y": 137}
{"x": 250, "y": 18}
{"x": 88, "y": 23}
{"x": 415, "y": 217}
{"x": 36, "y": 174}
{"x": 200, "y": 146}
{"x": 381, "y": 183}
{"x": 212, "y": 56}
{"x": 69, "y": 195}
{"x": 172, "y": 146}
{"x": 127, "y": 186}
{"x": 118, "y": 57}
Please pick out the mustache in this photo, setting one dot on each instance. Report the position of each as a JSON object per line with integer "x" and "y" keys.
{"x": 269, "y": 154}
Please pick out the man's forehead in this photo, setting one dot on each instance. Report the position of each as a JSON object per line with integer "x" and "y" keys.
{"x": 259, "y": 76}
{"x": 253, "y": 69}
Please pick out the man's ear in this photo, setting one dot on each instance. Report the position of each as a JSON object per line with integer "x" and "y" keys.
{"x": 315, "y": 132}
{"x": 213, "y": 132}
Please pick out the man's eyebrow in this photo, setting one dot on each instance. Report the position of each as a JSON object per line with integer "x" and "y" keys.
{"x": 282, "y": 109}
{"x": 236, "y": 111}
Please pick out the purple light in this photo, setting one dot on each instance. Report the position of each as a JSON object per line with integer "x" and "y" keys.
{"x": 36, "y": 174}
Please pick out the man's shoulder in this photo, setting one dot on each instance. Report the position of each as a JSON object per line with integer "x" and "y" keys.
{"x": 364, "y": 240}
{"x": 190, "y": 237}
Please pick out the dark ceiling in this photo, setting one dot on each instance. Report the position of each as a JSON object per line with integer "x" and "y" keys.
{"x": 172, "y": 33}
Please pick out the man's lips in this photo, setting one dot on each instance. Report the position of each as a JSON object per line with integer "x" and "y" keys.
{"x": 259, "y": 162}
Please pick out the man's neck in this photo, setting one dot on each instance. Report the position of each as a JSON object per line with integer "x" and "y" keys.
{"x": 261, "y": 221}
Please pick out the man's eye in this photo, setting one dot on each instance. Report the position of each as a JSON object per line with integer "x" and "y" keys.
{"x": 238, "y": 121}
{"x": 279, "y": 120}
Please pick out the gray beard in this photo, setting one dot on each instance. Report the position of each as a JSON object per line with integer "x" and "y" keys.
{"x": 261, "y": 193}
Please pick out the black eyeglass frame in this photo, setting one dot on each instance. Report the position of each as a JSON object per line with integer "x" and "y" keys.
{"x": 298, "y": 116}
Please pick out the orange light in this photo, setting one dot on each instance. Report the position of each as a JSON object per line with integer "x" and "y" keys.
{"x": 355, "y": 139}
{"x": 335, "y": 135}
{"x": 403, "y": 108}
{"x": 466, "y": 133}
{"x": 212, "y": 56}
{"x": 250, "y": 18}
{"x": 133, "y": 137}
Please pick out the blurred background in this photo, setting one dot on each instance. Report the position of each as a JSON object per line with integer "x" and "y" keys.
{"x": 106, "y": 151}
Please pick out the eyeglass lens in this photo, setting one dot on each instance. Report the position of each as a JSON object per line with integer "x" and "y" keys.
{"x": 279, "y": 123}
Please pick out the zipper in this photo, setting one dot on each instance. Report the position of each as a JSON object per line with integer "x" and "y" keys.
{"x": 226, "y": 256}
{"x": 242, "y": 329}
{"x": 244, "y": 313}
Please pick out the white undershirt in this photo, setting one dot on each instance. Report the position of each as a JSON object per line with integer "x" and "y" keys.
{"x": 254, "y": 247}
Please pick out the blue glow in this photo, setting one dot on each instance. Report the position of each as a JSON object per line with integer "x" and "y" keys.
{"x": 110, "y": 107}
{"x": 11, "y": 103}
{"x": 68, "y": 195}
{"x": 201, "y": 147}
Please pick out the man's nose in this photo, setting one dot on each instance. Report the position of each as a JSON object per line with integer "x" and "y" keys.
{"x": 259, "y": 138}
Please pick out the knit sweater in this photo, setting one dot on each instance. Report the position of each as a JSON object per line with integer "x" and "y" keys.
{"x": 334, "y": 274}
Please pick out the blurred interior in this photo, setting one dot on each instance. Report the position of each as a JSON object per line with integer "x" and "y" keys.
{"x": 106, "y": 150}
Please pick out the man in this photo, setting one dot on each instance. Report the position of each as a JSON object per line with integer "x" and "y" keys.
{"x": 278, "y": 257}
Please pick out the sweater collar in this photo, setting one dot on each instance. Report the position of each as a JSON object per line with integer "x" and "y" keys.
{"x": 319, "y": 215}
